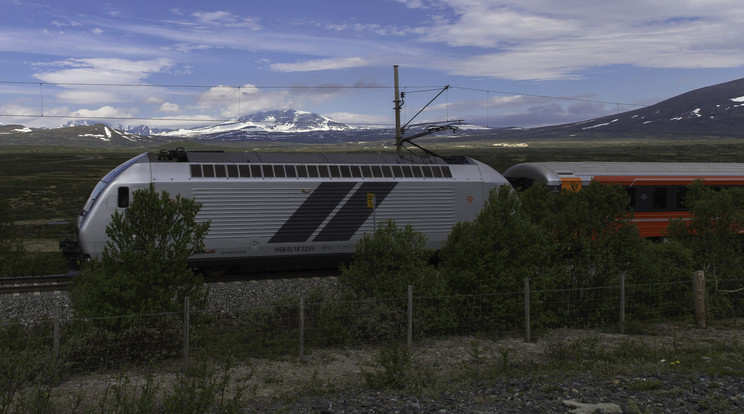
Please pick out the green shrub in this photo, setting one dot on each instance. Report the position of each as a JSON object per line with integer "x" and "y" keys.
{"x": 393, "y": 368}
{"x": 144, "y": 265}
{"x": 714, "y": 236}
{"x": 384, "y": 265}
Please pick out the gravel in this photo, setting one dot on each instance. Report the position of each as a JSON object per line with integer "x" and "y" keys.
{"x": 581, "y": 394}
{"x": 331, "y": 380}
{"x": 28, "y": 308}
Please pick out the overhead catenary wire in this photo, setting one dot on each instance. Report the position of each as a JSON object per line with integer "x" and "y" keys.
{"x": 408, "y": 89}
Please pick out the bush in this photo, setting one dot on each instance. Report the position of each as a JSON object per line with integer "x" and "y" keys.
{"x": 714, "y": 232}
{"x": 389, "y": 260}
{"x": 384, "y": 265}
{"x": 577, "y": 240}
{"x": 144, "y": 265}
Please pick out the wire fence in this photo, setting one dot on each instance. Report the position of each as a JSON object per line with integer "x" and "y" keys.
{"x": 293, "y": 327}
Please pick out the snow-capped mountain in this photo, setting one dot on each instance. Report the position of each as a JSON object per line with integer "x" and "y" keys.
{"x": 716, "y": 110}
{"x": 284, "y": 121}
{"x": 78, "y": 122}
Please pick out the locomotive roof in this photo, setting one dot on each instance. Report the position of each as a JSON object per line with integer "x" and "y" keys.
{"x": 309, "y": 158}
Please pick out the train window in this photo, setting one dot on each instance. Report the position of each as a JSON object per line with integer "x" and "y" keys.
{"x": 397, "y": 171}
{"x": 245, "y": 170}
{"x": 268, "y": 172}
{"x": 356, "y": 171}
{"x": 208, "y": 170}
{"x": 302, "y": 171}
{"x": 122, "y": 197}
{"x": 232, "y": 171}
{"x": 659, "y": 198}
{"x": 335, "y": 171}
{"x": 386, "y": 171}
{"x": 417, "y": 171}
{"x": 256, "y": 171}
{"x": 279, "y": 171}
{"x": 437, "y": 170}
{"x": 680, "y": 198}
{"x": 631, "y": 193}
{"x": 220, "y": 171}
{"x": 407, "y": 172}
{"x": 291, "y": 171}
{"x": 366, "y": 171}
{"x": 345, "y": 171}
{"x": 376, "y": 171}
{"x": 196, "y": 170}
{"x": 323, "y": 171}
{"x": 312, "y": 171}
{"x": 427, "y": 171}
{"x": 446, "y": 172}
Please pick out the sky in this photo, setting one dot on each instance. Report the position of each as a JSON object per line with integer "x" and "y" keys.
{"x": 508, "y": 63}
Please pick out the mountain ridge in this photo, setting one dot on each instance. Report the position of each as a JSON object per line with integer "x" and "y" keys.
{"x": 708, "y": 112}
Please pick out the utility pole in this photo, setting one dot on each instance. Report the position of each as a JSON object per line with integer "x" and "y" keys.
{"x": 397, "y": 111}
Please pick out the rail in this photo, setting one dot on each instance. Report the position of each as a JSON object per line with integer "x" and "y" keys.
{"x": 46, "y": 283}
{"x": 43, "y": 283}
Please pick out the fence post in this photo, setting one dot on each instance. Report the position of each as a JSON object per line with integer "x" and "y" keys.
{"x": 527, "y": 309}
{"x": 410, "y": 316}
{"x": 186, "y": 328}
{"x": 622, "y": 304}
{"x": 56, "y": 332}
{"x": 698, "y": 287}
{"x": 302, "y": 327}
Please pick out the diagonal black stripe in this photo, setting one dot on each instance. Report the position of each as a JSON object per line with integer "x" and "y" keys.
{"x": 354, "y": 213}
{"x": 312, "y": 212}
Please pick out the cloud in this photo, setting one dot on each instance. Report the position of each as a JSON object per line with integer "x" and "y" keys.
{"x": 106, "y": 111}
{"x": 320, "y": 64}
{"x": 226, "y": 19}
{"x": 413, "y": 4}
{"x": 100, "y": 80}
{"x": 232, "y": 102}
{"x": 169, "y": 107}
{"x": 102, "y": 70}
{"x": 360, "y": 119}
{"x": 544, "y": 39}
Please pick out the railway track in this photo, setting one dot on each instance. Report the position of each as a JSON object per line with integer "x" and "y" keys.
{"x": 46, "y": 283}
{"x": 27, "y": 284}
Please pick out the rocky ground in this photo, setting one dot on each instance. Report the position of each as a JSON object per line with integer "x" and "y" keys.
{"x": 468, "y": 375}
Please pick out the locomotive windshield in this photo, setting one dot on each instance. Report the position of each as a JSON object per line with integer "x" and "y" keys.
{"x": 105, "y": 182}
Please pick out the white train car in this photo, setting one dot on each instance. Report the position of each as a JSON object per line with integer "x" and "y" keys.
{"x": 293, "y": 211}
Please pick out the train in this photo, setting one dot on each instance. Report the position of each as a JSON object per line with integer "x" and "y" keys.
{"x": 656, "y": 189}
{"x": 273, "y": 212}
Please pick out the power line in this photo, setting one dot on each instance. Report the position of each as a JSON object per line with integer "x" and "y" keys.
{"x": 422, "y": 88}
{"x": 562, "y": 98}
{"x": 408, "y": 90}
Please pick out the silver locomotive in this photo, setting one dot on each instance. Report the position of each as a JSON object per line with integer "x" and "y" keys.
{"x": 292, "y": 211}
